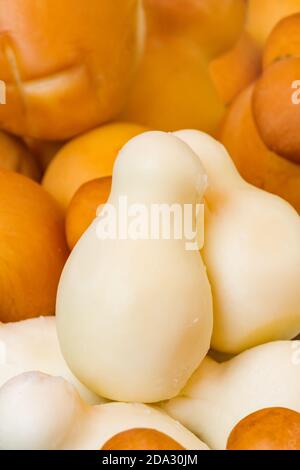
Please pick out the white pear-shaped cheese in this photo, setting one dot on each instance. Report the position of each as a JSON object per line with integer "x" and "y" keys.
{"x": 218, "y": 396}
{"x": 252, "y": 254}
{"x": 32, "y": 345}
{"x": 40, "y": 412}
{"x": 135, "y": 315}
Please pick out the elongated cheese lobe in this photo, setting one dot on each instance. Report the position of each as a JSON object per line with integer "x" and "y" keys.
{"x": 135, "y": 314}
{"x": 252, "y": 254}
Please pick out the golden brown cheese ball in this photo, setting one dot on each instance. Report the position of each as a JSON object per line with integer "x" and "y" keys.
{"x": 276, "y": 99}
{"x": 284, "y": 40}
{"x": 32, "y": 248}
{"x": 142, "y": 439}
{"x": 83, "y": 207}
{"x": 257, "y": 164}
{"x": 261, "y": 128}
{"x": 268, "y": 429}
{"x": 67, "y": 64}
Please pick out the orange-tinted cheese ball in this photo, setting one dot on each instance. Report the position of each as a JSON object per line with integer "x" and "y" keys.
{"x": 33, "y": 249}
{"x": 268, "y": 429}
{"x": 142, "y": 439}
{"x": 83, "y": 207}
